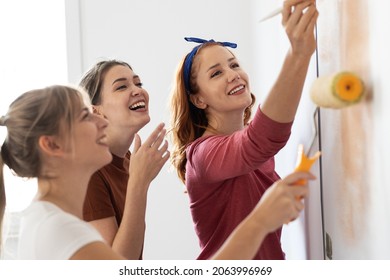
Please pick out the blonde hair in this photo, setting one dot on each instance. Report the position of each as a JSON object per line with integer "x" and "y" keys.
{"x": 188, "y": 122}
{"x": 33, "y": 114}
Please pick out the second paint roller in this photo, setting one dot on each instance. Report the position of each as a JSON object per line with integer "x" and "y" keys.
{"x": 337, "y": 90}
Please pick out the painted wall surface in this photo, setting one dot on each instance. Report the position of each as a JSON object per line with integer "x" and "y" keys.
{"x": 350, "y": 36}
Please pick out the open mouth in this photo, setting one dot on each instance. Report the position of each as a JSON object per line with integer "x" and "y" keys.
{"x": 137, "y": 106}
{"x": 102, "y": 141}
{"x": 235, "y": 90}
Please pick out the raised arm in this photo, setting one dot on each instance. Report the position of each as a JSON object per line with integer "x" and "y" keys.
{"x": 145, "y": 163}
{"x": 299, "y": 19}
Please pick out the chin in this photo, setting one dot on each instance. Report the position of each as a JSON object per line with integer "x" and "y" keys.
{"x": 107, "y": 159}
{"x": 146, "y": 120}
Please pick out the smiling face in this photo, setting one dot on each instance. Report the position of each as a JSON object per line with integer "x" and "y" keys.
{"x": 123, "y": 100}
{"x": 89, "y": 142}
{"x": 223, "y": 86}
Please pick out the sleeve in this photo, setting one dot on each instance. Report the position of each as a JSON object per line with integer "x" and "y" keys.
{"x": 97, "y": 204}
{"x": 223, "y": 157}
{"x": 62, "y": 235}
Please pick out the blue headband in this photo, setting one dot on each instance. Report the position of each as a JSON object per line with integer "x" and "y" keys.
{"x": 190, "y": 57}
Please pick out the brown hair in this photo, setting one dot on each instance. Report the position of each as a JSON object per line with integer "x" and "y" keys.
{"x": 92, "y": 80}
{"x": 33, "y": 114}
{"x": 188, "y": 122}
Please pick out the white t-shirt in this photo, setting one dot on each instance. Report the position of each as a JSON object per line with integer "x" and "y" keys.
{"x": 49, "y": 233}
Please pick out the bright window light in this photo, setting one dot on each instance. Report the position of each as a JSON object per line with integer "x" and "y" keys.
{"x": 33, "y": 55}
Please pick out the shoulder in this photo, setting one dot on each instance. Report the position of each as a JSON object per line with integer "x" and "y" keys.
{"x": 201, "y": 144}
{"x": 55, "y": 221}
{"x": 51, "y": 233}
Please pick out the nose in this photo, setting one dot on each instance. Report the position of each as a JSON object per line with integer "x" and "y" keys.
{"x": 233, "y": 75}
{"x": 135, "y": 90}
{"x": 101, "y": 122}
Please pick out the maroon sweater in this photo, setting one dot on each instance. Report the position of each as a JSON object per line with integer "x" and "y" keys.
{"x": 226, "y": 175}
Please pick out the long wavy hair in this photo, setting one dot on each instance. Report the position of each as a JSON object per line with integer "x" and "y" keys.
{"x": 33, "y": 114}
{"x": 188, "y": 122}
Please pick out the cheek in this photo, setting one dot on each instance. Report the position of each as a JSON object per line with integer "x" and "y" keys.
{"x": 244, "y": 76}
{"x": 146, "y": 94}
{"x": 113, "y": 105}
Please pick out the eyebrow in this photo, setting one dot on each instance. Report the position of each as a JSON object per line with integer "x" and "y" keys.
{"x": 83, "y": 111}
{"x": 119, "y": 80}
{"x": 216, "y": 65}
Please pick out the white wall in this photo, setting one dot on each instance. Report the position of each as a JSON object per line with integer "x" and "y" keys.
{"x": 32, "y": 55}
{"x": 379, "y": 225}
{"x": 302, "y": 239}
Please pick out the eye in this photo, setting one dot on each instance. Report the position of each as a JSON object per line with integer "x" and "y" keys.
{"x": 216, "y": 73}
{"x": 234, "y": 65}
{"x": 122, "y": 87}
{"x": 139, "y": 84}
{"x": 86, "y": 116}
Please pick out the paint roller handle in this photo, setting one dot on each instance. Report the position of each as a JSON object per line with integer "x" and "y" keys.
{"x": 304, "y": 163}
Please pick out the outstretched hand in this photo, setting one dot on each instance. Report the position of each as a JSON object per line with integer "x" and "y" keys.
{"x": 148, "y": 158}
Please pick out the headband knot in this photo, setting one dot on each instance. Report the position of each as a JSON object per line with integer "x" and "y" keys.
{"x": 190, "y": 57}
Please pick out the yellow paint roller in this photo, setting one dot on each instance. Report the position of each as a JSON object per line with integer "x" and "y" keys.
{"x": 337, "y": 90}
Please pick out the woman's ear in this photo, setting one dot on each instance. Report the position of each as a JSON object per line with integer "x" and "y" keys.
{"x": 50, "y": 145}
{"x": 198, "y": 101}
{"x": 96, "y": 109}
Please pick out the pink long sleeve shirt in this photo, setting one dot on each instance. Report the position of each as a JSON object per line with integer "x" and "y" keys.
{"x": 226, "y": 175}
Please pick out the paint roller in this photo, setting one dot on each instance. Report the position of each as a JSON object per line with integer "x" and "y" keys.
{"x": 337, "y": 90}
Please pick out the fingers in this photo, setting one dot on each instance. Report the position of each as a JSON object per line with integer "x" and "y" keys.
{"x": 137, "y": 143}
{"x": 164, "y": 151}
{"x": 157, "y": 136}
{"x": 307, "y": 19}
{"x": 294, "y": 193}
{"x": 295, "y": 177}
{"x": 301, "y": 15}
{"x": 295, "y": 12}
{"x": 290, "y": 5}
{"x": 313, "y": 21}
{"x": 156, "y": 142}
{"x": 297, "y": 208}
{"x": 148, "y": 158}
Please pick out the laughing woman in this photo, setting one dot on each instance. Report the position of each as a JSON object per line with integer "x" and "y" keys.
{"x": 116, "y": 199}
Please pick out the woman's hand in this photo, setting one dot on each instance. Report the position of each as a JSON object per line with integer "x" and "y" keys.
{"x": 282, "y": 202}
{"x": 299, "y": 19}
{"x": 148, "y": 158}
